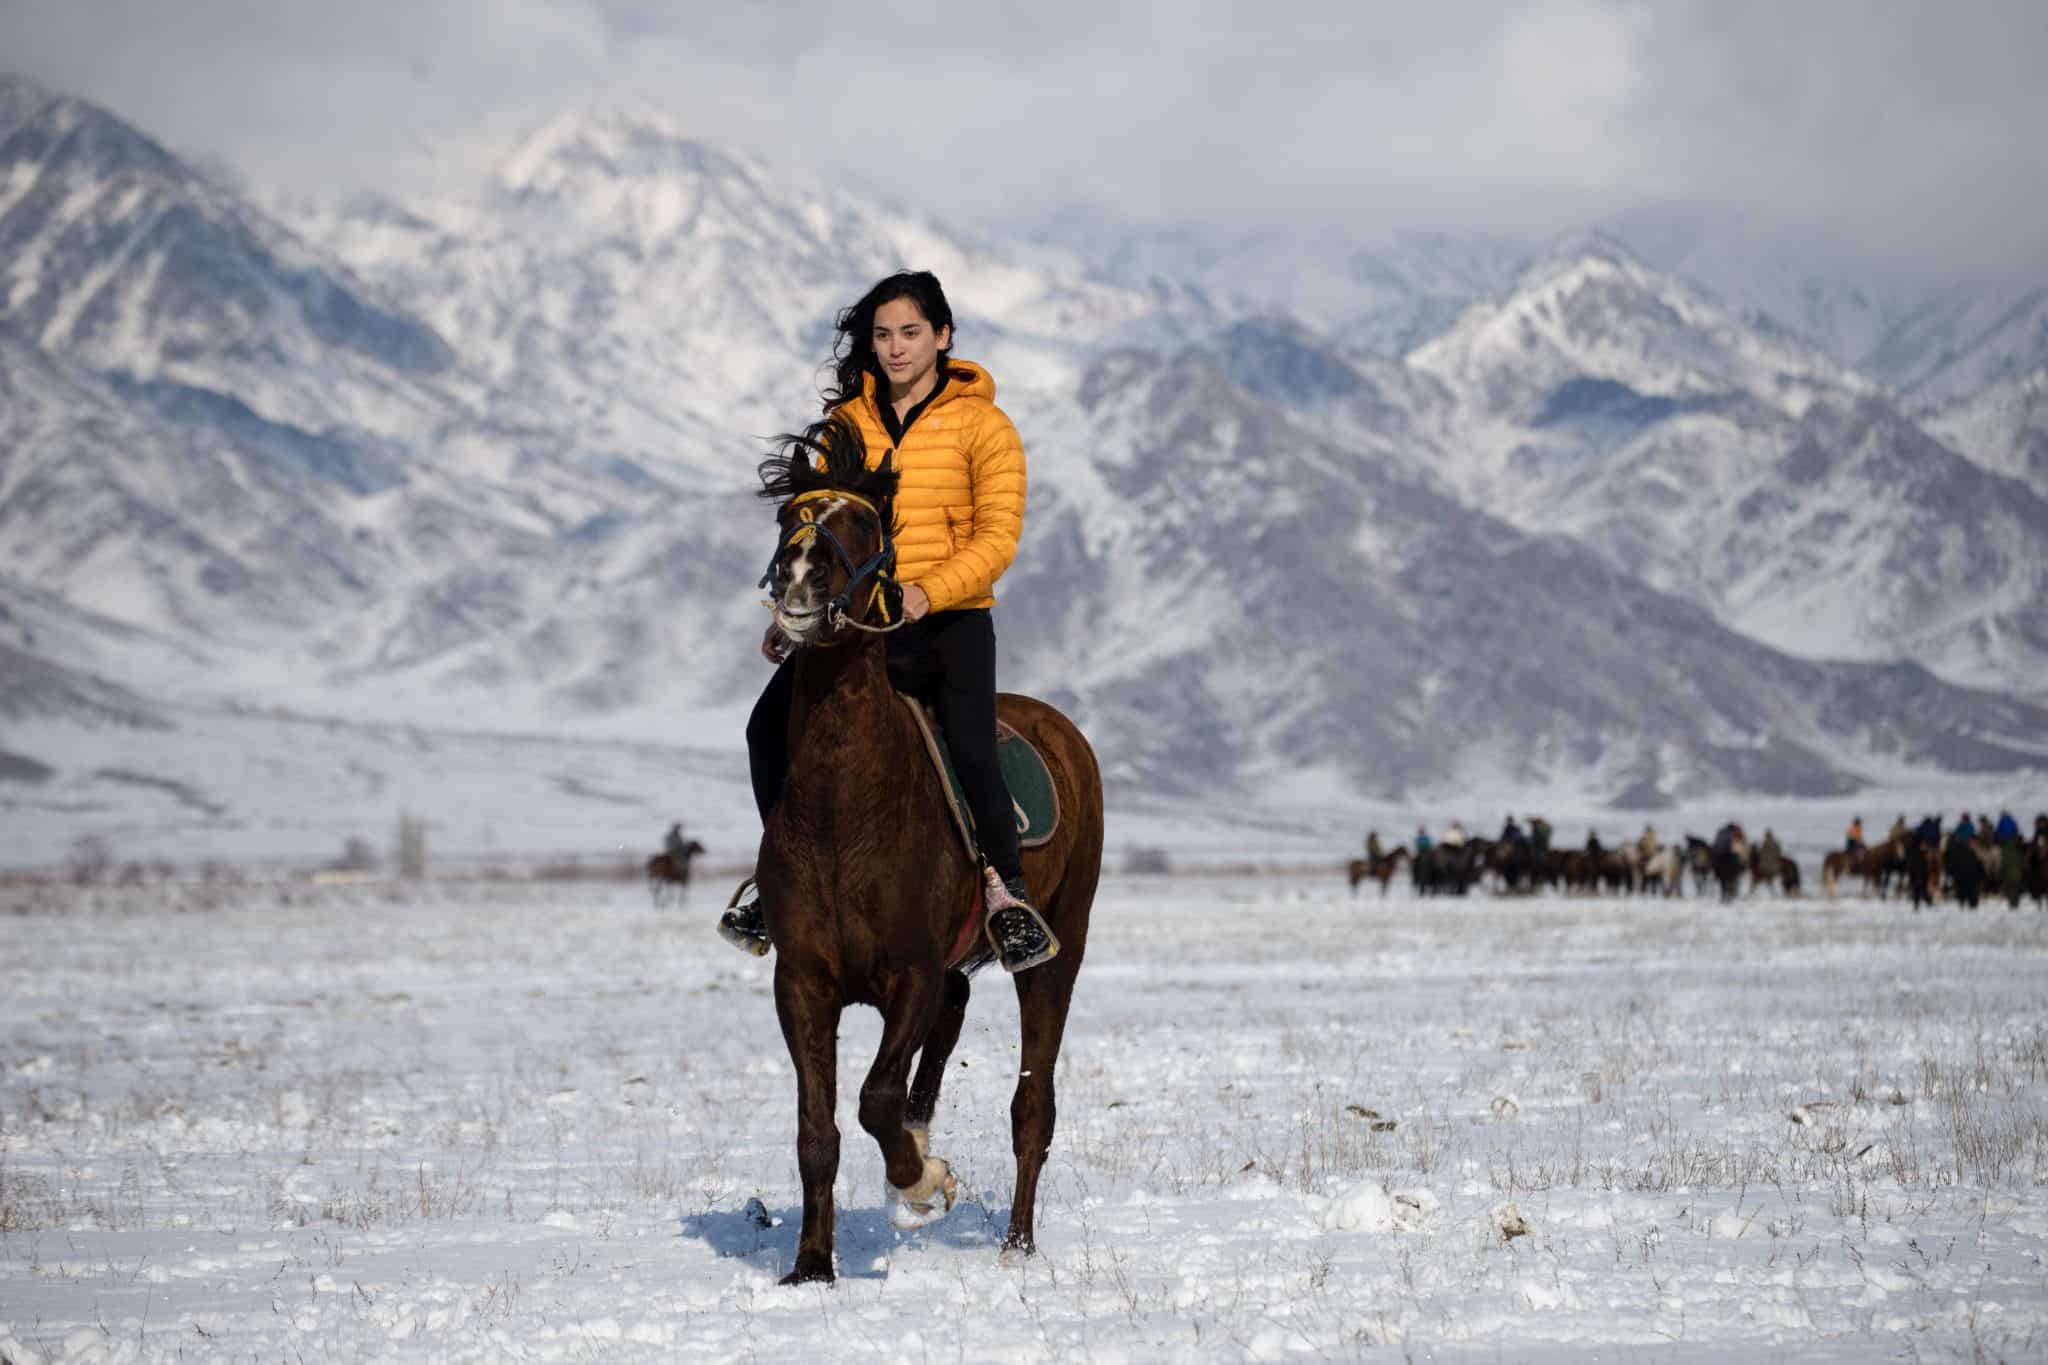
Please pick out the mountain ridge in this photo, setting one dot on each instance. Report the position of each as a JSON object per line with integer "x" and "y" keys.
{"x": 537, "y": 510}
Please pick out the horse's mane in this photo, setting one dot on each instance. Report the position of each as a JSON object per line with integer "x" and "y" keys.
{"x": 828, "y": 455}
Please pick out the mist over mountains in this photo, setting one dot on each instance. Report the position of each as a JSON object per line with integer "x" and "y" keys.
{"x": 1382, "y": 520}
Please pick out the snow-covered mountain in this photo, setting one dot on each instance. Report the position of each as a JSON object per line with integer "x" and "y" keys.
{"x": 220, "y": 442}
{"x": 1312, "y": 613}
{"x": 661, "y": 299}
{"x": 116, "y": 254}
{"x": 1956, "y": 345}
{"x": 2003, "y": 428}
{"x": 1740, "y": 468}
{"x": 486, "y": 461}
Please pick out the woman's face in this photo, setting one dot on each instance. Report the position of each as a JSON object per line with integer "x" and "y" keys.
{"x": 906, "y": 346}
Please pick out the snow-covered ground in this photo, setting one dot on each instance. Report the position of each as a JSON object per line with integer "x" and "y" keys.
{"x": 472, "y": 1121}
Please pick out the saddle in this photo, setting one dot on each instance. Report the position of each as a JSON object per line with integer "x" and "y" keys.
{"x": 1032, "y": 798}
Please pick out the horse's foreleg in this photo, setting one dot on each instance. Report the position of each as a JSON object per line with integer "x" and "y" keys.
{"x": 1043, "y": 995}
{"x": 923, "y": 1184}
{"x": 810, "y": 1026}
{"x": 938, "y": 1048}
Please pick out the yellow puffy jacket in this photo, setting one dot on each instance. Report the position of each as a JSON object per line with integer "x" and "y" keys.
{"x": 959, "y": 491}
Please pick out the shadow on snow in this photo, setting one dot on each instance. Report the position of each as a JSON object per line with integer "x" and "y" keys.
{"x": 861, "y": 1234}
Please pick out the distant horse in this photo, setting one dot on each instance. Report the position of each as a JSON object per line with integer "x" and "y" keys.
{"x": 2012, "y": 872}
{"x": 1839, "y": 863}
{"x": 1875, "y": 863}
{"x": 1380, "y": 870}
{"x": 862, "y": 878}
{"x": 1518, "y": 865}
{"x": 1609, "y": 868}
{"x": 1699, "y": 856}
{"x": 2037, "y": 872}
{"x": 1665, "y": 871}
{"x": 1776, "y": 870}
{"x": 668, "y": 874}
{"x": 1446, "y": 869}
{"x": 1729, "y": 867}
{"x": 1616, "y": 870}
{"x": 1918, "y": 873}
{"x": 1966, "y": 872}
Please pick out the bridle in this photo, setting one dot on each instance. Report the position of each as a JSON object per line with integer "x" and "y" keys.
{"x": 880, "y": 566}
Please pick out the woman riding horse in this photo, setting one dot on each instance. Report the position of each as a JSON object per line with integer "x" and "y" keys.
{"x": 959, "y": 506}
{"x": 862, "y": 882}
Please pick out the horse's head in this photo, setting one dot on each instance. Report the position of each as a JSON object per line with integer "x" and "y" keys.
{"x": 834, "y": 559}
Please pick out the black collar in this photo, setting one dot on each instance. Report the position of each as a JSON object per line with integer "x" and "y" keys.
{"x": 897, "y": 428}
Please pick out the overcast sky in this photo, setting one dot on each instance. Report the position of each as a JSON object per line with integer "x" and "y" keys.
{"x": 1914, "y": 130}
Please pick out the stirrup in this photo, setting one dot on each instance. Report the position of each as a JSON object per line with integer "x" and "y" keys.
{"x": 742, "y": 924}
{"x": 1015, "y": 930}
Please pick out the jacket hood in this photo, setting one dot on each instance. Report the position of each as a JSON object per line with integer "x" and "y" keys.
{"x": 964, "y": 379}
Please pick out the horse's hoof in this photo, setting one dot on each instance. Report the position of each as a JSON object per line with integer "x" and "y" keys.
{"x": 929, "y": 1200}
{"x": 810, "y": 1273}
{"x": 1016, "y": 1251}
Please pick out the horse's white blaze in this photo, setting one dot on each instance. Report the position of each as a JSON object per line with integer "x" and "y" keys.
{"x": 798, "y": 614}
{"x": 800, "y": 571}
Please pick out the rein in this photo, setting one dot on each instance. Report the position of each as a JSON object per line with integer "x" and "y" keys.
{"x": 880, "y": 566}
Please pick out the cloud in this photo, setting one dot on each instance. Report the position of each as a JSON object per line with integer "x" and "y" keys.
{"x": 1903, "y": 130}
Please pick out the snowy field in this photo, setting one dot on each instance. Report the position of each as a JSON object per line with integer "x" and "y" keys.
{"x": 462, "y": 1122}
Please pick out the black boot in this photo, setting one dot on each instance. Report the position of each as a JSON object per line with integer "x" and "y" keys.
{"x": 1015, "y": 929}
{"x": 742, "y": 925}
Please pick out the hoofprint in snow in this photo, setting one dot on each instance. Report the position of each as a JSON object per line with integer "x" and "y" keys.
{"x": 478, "y": 1122}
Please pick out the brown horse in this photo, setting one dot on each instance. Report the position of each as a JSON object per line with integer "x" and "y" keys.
{"x": 863, "y": 880}
{"x": 667, "y": 874}
{"x": 1776, "y": 870}
{"x": 1871, "y": 862}
{"x": 1380, "y": 869}
{"x": 1840, "y": 863}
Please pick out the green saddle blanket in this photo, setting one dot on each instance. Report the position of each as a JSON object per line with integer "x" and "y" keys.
{"x": 1032, "y": 798}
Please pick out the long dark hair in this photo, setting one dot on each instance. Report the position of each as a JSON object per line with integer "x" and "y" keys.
{"x": 853, "y": 349}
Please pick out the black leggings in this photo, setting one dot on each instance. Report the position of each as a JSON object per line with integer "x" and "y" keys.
{"x": 948, "y": 659}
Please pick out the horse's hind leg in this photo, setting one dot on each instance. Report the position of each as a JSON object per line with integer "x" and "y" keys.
{"x": 923, "y": 1185}
{"x": 810, "y": 1026}
{"x": 1043, "y": 995}
{"x": 938, "y": 1048}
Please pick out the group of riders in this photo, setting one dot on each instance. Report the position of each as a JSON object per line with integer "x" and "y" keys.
{"x": 1527, "y": 857}
{"x": 1971, "y": 858}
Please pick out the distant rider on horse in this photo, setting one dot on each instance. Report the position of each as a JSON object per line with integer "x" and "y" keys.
{"x": 959, "y": 513}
